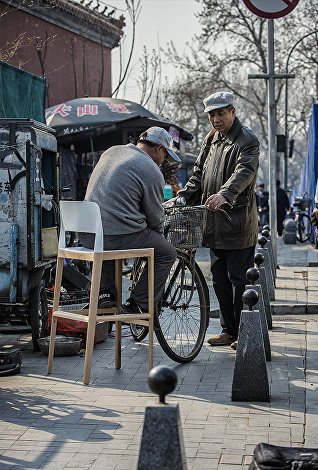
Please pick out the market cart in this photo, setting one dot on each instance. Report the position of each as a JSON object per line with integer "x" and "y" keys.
{"x": 29, "y": 195}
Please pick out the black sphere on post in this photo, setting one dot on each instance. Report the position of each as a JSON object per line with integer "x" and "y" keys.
{"x": 259, "y": 259}
{"x": 162, "y": 380}
{"x": 262, "y": 241}
{"x": 252, "y": 275}
{"x": 266, "y": 227}
{"x": 250, "y": 298}
{"x": 265, "y": 233}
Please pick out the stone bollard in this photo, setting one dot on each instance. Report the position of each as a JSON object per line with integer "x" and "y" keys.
{"x": 259, "y": 259}
{"x": 162, "y": 446}
{"x": 252, "y": 275}
{"x": 268, "y": 270}
{"x": 289, "y": 232}
{"x": 269, "y": 246}
{"x": 250, "y": 380}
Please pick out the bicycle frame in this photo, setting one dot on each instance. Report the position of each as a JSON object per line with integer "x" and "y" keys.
{"x": 183, "y": 311}
{"x": 182, "y": 285}
{"x": 140, "y": 265}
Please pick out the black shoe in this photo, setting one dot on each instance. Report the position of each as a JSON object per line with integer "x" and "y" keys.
{"x": 130, "y": 306}
{"x": 106, "y": 300}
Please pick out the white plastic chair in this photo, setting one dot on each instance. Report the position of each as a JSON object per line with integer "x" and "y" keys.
{"x": 84, "y": 216}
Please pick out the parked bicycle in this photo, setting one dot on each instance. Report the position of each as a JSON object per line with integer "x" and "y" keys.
{"x": 183, "y": 311}
{"x": 302, "y": 219}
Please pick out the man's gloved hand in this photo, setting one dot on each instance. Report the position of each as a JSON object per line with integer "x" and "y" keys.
{"x": 314, "y": 216}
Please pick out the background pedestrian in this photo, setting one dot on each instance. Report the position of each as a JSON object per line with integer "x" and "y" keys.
{"x": 283, "y": 206}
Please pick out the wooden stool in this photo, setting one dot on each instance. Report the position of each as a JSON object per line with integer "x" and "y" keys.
{"x": 84, "y": 216}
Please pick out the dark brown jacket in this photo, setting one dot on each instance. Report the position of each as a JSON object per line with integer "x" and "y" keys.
{"x": 227, "y": 166}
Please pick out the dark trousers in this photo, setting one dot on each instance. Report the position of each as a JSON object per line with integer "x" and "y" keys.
{"x": 280, "y": 219}
{"x": 229, "y": 280}
{"x": 165, "y": 255}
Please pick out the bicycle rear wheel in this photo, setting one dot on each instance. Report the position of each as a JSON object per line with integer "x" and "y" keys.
{"x": 183, "y": 312}
{"x": 303, "y": 228}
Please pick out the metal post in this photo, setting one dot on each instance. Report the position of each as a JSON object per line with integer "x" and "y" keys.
{"x": 272, "y": 135}
{"x": 286, "y": 134}
{"x": 92, "y": 151}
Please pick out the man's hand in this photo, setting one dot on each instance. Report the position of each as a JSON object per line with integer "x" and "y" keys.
{"x": 215, "y": 201}
{"x": 314, "y": 217}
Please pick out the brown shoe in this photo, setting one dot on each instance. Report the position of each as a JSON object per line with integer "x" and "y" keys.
{"x": 222, "y": 339}
{"x": 234, "y": 345}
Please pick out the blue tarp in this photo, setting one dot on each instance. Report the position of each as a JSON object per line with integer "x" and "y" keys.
{"x": 309, "y": 174}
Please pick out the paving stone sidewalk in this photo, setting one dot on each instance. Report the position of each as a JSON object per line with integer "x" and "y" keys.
{"x": 297, "y": 279}
{"x": 56, "y": 422}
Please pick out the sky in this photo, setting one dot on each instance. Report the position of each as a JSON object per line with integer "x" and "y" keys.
{"x": 159, "y": 22}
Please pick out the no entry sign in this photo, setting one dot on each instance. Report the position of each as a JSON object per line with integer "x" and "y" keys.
{"x": 271, "y": 9}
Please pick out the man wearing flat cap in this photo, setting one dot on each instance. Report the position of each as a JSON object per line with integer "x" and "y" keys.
{"x": 224, "y": 180}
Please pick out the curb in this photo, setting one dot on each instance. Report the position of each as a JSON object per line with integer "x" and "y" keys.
{"x": 294, "y": 309}
{"x": 283, "y": 309}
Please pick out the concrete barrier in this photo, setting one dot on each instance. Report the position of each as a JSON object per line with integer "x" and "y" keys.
{"x": 250, "y": 379}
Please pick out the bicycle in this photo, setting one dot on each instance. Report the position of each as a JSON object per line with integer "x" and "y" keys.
{"x": 302, "y": 219}
{"x": 183, "y": 312}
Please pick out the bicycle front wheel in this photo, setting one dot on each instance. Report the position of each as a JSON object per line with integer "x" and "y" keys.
{"x": 183, "y": 311}
{"x": 303, "y": 228}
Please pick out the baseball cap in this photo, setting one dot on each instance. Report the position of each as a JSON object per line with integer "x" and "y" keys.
{"x": 218, "y": 100}
{"x": 160, "y": 136}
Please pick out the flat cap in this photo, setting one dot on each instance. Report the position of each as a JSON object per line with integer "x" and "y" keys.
{"x": 218, "y": 100}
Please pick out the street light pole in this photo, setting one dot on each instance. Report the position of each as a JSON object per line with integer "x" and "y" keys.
{"x": 271, "y": 133}
{"x": 270, "y": 77}
{"x": 287, "y": 76}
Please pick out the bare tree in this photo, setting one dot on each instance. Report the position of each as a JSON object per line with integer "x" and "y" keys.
{"x": 9, "y": 49}
{"x": 133, "y": 8}
{"x": 150, "y": 68}
{"x": 232, "y": 44}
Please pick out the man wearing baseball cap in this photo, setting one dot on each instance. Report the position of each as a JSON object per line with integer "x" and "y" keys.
{"x": 127, "y": 184}
{"x": 224, "y": 180}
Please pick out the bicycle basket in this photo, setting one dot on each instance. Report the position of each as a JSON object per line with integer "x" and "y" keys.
{"x": 306, "y": 203}
{"x": 303, "y": 203}
{"x": 183, "y": 226}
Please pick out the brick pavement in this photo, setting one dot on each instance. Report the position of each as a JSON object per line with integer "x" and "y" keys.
{"x": 296, "y": 282}
{"x": 56, "y": 422}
